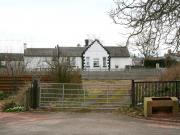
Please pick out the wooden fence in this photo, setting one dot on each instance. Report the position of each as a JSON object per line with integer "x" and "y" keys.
{"x": 141, "y": 89}
{"x": 11, "y": 84}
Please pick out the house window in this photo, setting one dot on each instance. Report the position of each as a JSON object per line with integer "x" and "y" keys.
{"x": 3, "y": 63}
{"x": 104, "y": 61}
{"x": 73, "y": 61}
{"x": 96, "y": 62}
{"x": 87, "y": 62}
{"x": 67, "y": 61}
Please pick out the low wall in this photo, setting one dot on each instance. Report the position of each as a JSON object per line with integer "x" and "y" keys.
{"x": 131, "y": 74}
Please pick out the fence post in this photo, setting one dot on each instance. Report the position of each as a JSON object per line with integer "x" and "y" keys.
{"x": 38, "y": 93}
{"x": 27, "y": 99}
{"x": 133, "y": 93}
{"x": 35, "y": 94}
{"x": 177, "y": 90}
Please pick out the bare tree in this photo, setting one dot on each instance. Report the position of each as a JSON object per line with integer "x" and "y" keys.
{"x": 62, "y": 71}
{"x": 147, "y": 44}
{"x": 13, "y": 64}
{"x": 150, "y": 16}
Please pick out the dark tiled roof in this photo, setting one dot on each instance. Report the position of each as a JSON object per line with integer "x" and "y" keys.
{"x": 118, "y": 51}
{"x": 71, "y": 51}
{"x": 11, "y": 57}
{"x": 77, "y": 51}
{"x": 40, "y": 52}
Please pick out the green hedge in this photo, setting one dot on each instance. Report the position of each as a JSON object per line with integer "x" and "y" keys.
{"x": 152, "y": 63}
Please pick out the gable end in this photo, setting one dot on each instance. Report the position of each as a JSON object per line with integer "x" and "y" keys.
{"x": 96, "y": 40}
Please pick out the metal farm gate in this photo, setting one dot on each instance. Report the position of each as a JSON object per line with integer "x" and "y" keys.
{"x": 91, "y": 96}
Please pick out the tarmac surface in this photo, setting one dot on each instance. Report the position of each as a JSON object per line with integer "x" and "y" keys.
{"x": 74, "y": 123}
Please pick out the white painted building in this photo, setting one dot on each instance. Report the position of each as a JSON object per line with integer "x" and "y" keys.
{"x": 93, "y": 56}
{"x": 38, "y": 58}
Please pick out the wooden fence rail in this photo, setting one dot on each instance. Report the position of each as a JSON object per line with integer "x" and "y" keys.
{"x": 11, "y": 84}
{"x": 141, "y": 89}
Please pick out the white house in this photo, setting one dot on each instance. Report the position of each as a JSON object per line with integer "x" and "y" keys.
{"x": 93, "y": 56}
{"x": 38, "y": 58}
{"x": 96, "y": 56}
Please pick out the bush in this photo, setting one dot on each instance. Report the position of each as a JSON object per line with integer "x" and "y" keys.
{"x": 167, "y": 62}
{"x": 172, "y": 73}
{"x": 170, "y": 62}
{"x": 11, "y": 106}
{"x": 8, "y": 104}
{"x": 15, "y": 109}
{"x": 2, "y": 95}
{"x": 151, "y": 63}
{"x": 64, "y": 74}
{"x": 61, "y": 71}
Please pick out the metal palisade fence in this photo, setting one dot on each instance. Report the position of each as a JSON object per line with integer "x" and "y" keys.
{"x": 91, "y": 96}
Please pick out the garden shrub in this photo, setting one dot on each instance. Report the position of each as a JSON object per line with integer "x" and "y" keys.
{"x": 63, "y": 72}
{"x": 172, "y": 73}
{"x": 2, "y": 95}
{"x": 151, "y": 63}
{"x": 170, "y": 62}
{"x": 11, "y": 106}
{"x": 164, "y": 62}
{"x": 15, "y": 109}
{"x": 8, "y": 104}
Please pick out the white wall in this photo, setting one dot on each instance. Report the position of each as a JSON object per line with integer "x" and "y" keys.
{"x": 37, "y": 62}
{"x": 96, "y": 51}
{"x": 79, "y": 62}
{"x": 42, "y": 62}
{"x": 120, "y": 62}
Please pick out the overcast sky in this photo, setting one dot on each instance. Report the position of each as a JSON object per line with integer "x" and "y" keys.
{"x": 45, "y": 23}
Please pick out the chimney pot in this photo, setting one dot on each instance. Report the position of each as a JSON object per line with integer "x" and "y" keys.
{"x": 169, "y": 51}
{"x": 86, "y": 42}
{"x": 25, "y": 46}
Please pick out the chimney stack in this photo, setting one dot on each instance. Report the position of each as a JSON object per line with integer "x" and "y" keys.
{"x": 25, "y": 46}
{"x": 78, "y": 45}
{"x": 169, "y": 51}
{"x": 86, "y": 42}
{"x": 57, "y": 49}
